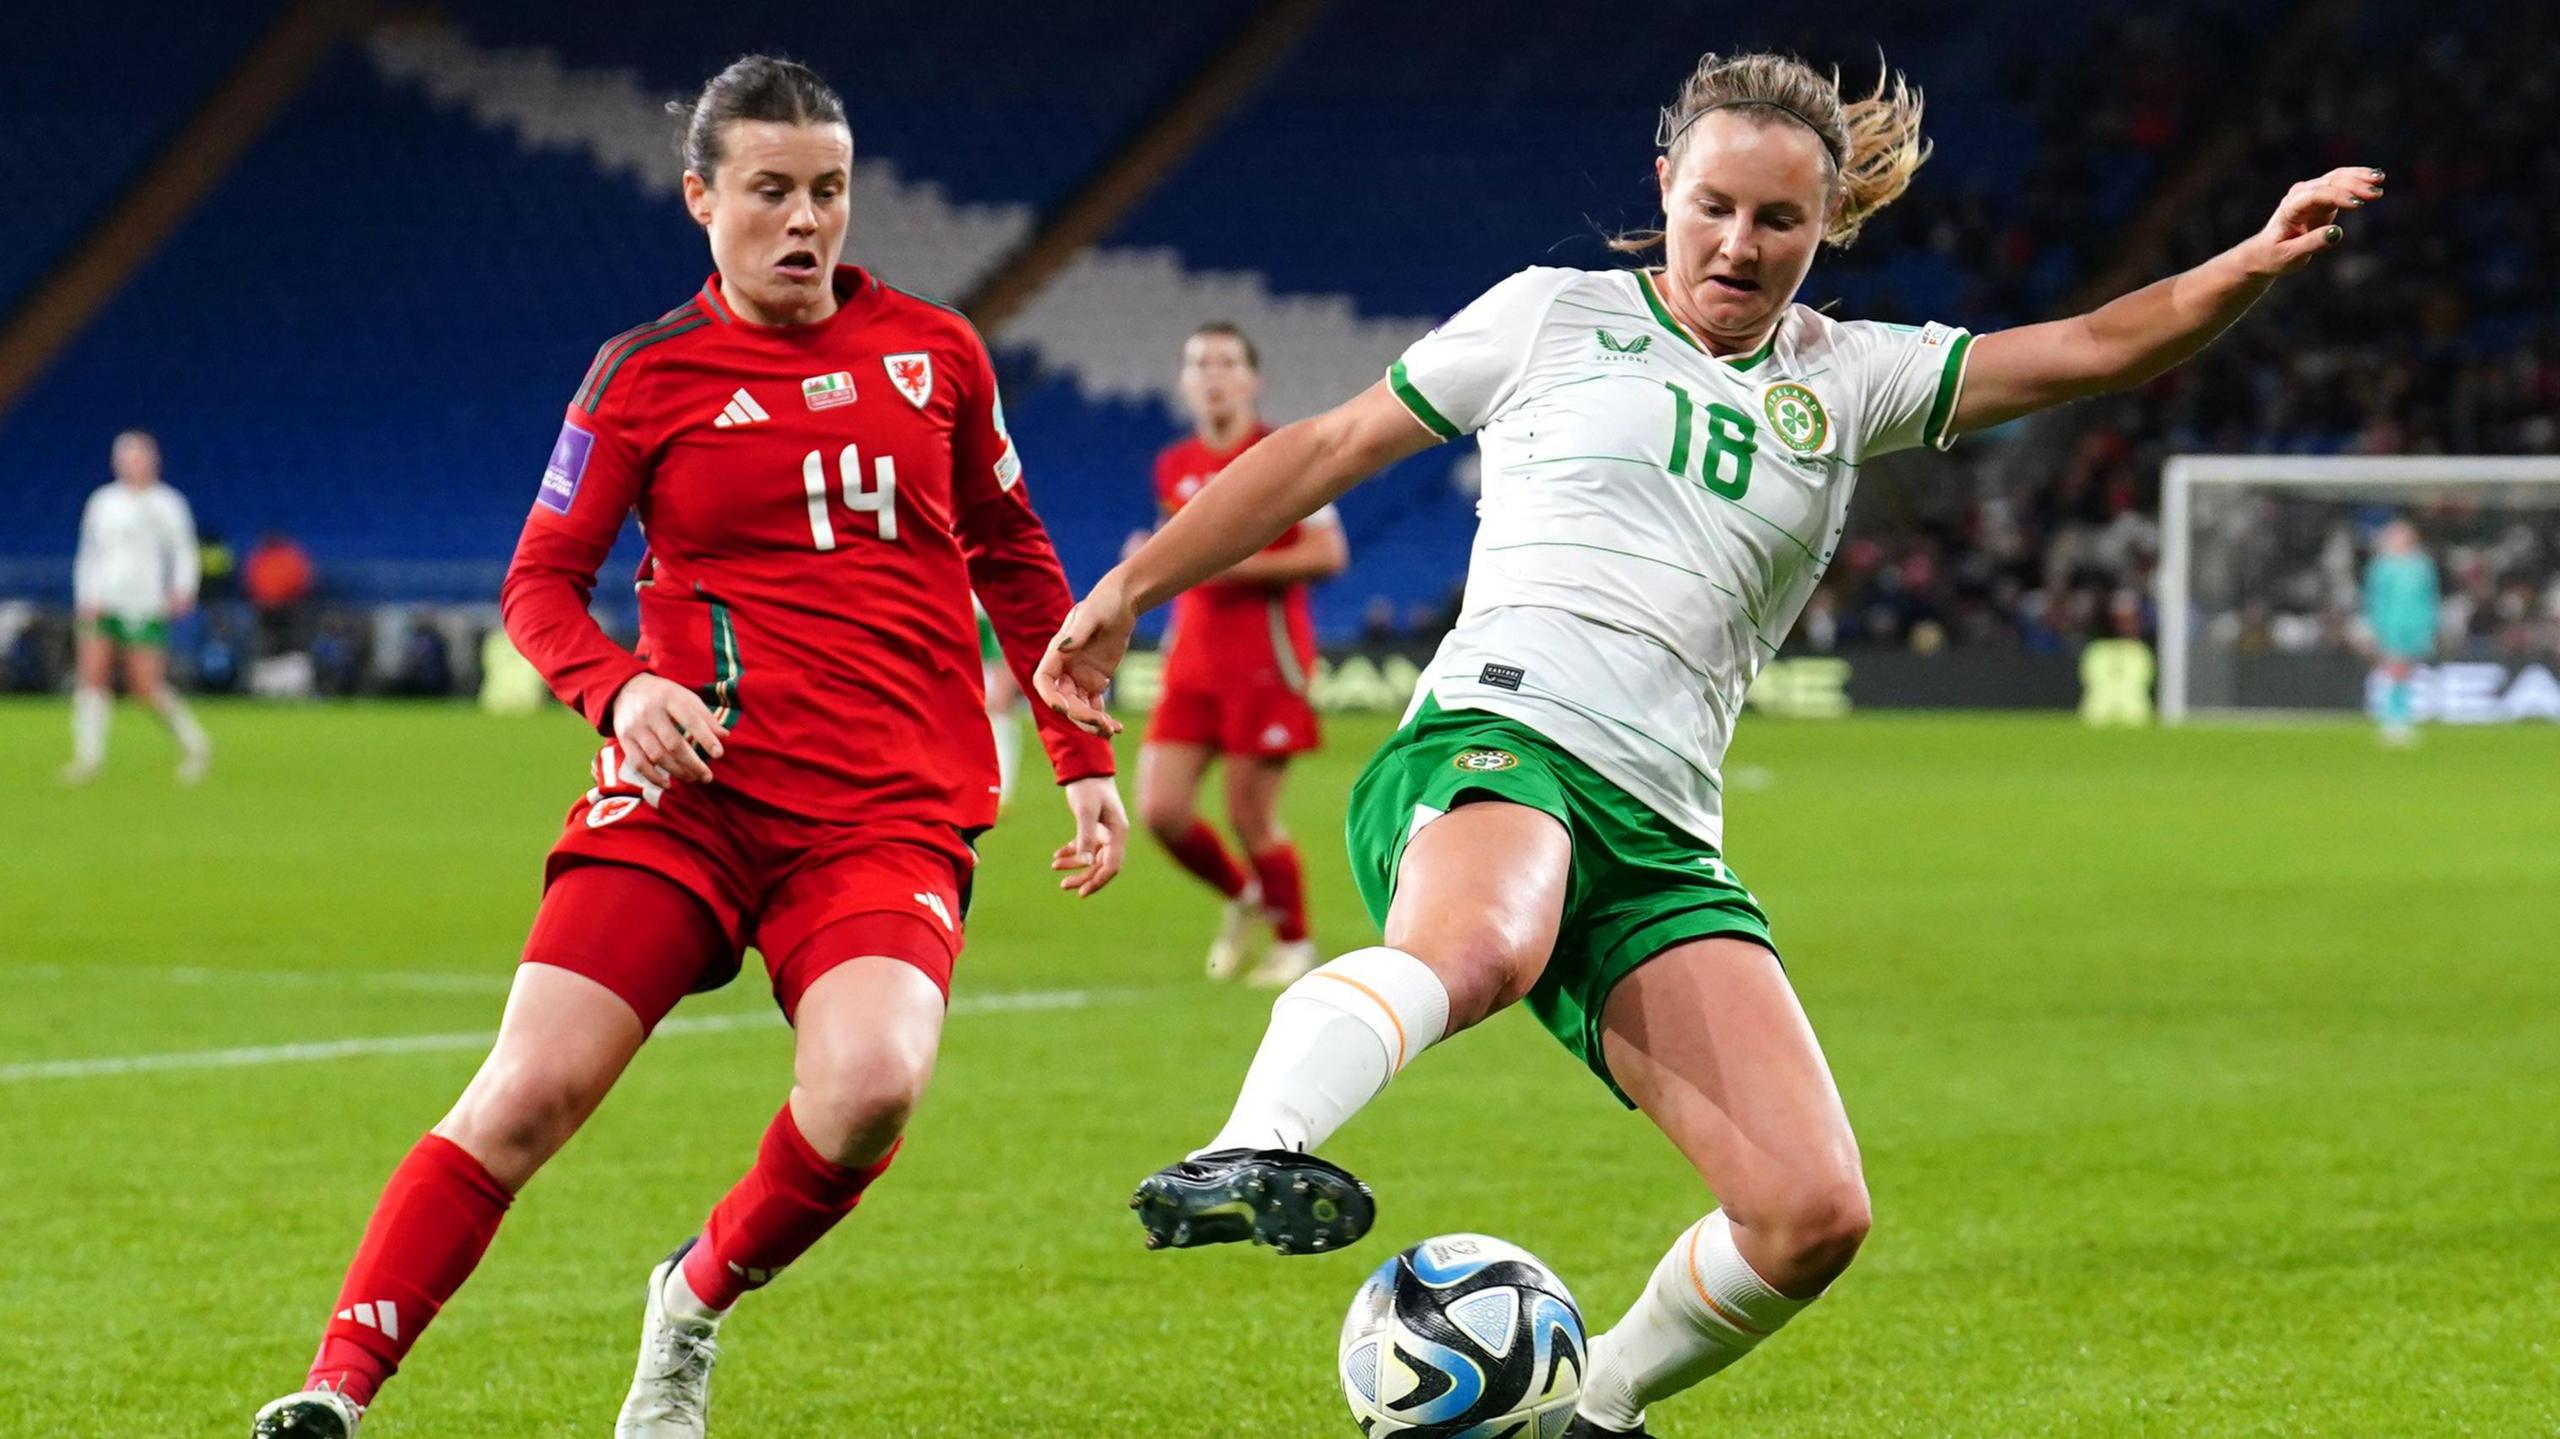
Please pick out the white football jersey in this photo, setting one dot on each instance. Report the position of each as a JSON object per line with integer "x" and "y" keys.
{"x": 137, "y": 551}
{"x": 1653, "y": 518}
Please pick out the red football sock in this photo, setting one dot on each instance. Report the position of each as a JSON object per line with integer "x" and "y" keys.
{"x": 433, "y": 1223}
{"x": 1204, "y": 854}
{"x": 786, "y": 1203}
{"x": 1284, "y": 890}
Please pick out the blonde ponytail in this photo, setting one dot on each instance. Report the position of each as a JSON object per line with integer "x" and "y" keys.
{"x": 1873, "y": 144}
{"x": 1885, "y": 150}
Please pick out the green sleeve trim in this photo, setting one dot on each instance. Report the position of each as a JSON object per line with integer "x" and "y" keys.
{"x": 1431, "y": 419}
{"x": 1942, "y": 410}
{"x": 615, "y": 356}
{"x": 726, "y": 668}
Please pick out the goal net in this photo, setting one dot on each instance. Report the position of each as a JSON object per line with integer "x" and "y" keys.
{"x": 2263, "y": 564}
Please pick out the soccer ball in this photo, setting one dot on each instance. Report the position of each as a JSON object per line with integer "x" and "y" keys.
{"x": 1463, "y": 1337}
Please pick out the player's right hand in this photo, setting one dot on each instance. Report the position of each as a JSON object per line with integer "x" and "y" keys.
{"x": 667, "y": 730}
{"x": 1087, "y": 651}
{"x": 2305, "y": 223}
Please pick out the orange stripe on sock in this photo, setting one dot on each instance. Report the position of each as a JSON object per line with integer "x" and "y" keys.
{"x": 1376, "y": 999}
{"x": 1709, "y": 1300}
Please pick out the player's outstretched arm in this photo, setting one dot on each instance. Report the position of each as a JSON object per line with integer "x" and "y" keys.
{"x": 1299, "y": 469}
{"x": 1318, "y": 553}
{"x": 2128, "y": 341}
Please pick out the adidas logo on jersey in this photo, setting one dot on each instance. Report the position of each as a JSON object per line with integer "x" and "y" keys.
{"x": 742, "y": 409}
{"x": 382, "y": 1316}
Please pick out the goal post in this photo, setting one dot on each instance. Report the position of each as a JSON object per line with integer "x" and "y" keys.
{"x": 2261, "y": 565}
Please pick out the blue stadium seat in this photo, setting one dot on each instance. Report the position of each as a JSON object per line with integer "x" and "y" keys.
{"x": 82, "y": 111}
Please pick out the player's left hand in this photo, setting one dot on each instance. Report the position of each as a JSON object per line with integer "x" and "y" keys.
{"x": 1087, "y": 651}
{"x": 1102, "y": 835}
{"x": 2306, "y": 222}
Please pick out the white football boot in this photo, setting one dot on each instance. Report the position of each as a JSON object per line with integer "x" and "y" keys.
{"x": 1289, "y": 961}
{"x": 671, "y": 1389}
{"x": 311, "y": 1414}
{"x": 1240, "y": 922}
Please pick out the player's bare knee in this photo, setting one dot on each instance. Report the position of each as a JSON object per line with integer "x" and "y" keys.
{"x": 513, "y": 1121}
{"x": 1168, "y": 818}
{"x": 1816, "y": 1229}
{"x": 854, "y": 1105}
{"x": 1482, "y": 968}
{"x": 1256, "y": 830}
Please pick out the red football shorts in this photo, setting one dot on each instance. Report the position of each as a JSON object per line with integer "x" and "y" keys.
{"x": 1261, "y": 721}
{"x": 806, "y": 895}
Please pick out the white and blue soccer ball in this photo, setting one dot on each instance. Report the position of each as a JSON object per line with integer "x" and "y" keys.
{"x": 1463, "y": 1337}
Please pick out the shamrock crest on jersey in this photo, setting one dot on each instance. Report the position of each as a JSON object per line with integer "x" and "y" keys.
{"x": 1796, "y": 413}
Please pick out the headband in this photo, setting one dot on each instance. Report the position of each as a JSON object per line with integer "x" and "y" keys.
{"x": 1668, "y": 133}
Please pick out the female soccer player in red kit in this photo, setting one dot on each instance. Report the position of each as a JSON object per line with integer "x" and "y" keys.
{"x": 797, "y": 758}
{"x": 1235, "y": 678}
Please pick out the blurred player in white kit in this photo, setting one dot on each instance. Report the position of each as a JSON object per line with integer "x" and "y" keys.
{"x": 135, "y": 573}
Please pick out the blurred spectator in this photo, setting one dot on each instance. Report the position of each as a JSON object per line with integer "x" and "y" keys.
{"x": 426, "y": 661}
{"x": 278, "y": 580}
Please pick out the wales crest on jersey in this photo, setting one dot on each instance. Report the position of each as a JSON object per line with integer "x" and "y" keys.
{"x": 912, "y": 373}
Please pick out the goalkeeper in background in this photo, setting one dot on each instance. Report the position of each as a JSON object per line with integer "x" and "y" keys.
{"x": 2400, "y": 606}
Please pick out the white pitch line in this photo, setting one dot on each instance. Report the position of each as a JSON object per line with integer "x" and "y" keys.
{"x": 1034, "y": 999}
{"x": 399, "y": 980}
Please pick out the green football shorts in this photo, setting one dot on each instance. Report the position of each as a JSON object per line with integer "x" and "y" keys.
{"x": 151, "y": 633}
{"x": 1639, "y": 884}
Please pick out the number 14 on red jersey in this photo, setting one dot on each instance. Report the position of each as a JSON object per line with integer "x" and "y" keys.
{"x": 880, "y": 501}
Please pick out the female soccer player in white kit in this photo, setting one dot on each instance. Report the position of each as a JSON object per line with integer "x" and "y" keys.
{"x": 1668, "y": 460}
{"x": 136, "y": 571}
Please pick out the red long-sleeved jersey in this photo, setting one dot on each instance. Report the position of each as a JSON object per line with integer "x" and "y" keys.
{"x": 1232, "y": 632}
{"x": 819, "y": 502}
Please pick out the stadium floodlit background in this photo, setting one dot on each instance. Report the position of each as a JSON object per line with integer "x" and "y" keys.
{"x": 2204, "y": 1074}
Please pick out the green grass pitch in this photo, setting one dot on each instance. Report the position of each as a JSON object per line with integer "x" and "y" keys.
{"x": 2209, "y": 1084}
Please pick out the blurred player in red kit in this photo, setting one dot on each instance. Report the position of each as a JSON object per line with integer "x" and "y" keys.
{"x": 1235, "y": 679}
{"x": 797, "y": 758}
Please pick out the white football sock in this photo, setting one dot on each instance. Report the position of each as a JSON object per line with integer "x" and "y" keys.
{"x": 1007, "y": 725}
{"x": 682, "y": 1304}
{"x": 1703, "y": 1309}
{"x": 181, "y": 721}
{"x": 90, "y": 711}
{"x": 1337, "y": 1036}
